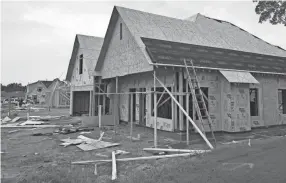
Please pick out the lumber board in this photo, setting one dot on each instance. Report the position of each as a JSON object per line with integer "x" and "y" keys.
{"x": 114, "y": 171}
{"x": 176, "y": 150}
{"x": 155, "y": 111}
{"x": 187, "y": 115}
{"x": 135, "y": 158}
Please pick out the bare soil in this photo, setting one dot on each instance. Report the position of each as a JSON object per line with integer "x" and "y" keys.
{"x": 35, "y": 159}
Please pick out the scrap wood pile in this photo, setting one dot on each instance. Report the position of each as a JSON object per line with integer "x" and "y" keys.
{"x": 66, "y": 124}
{"x": 88, "y": 144}
{"x": 31, "y": 121}
{"x": 113, "y": 160}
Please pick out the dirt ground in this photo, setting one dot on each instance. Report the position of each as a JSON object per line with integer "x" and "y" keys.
{"x": 34, "y": 159}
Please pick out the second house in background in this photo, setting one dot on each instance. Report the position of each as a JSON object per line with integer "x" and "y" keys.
{"x": 81, "y": 71}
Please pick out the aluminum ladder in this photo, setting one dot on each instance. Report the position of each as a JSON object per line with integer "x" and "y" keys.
{"x": 198, "y": 99}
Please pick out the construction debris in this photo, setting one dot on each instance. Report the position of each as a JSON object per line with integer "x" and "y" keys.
{"x": 69, "y": 141}
{"x": 73, "y": 130}
{"x": 13, "y": 131}
{"x": 88, "y": 144}
{"x": 121, "y": 152}
{"x": 29, "y": 122}
{"x": 114, "y": 171}
{"x": 16, "y": 119}
{"x": 101, "y": 155}
{"x": 6, "y": 119}
{"x": 135, "y": 158}
{"x": 29, "y": 126}
{"x": 45, "y": 118}
{"x": 239, "y": 142}
{"x": 42, "y": 134}
{"x": 96, "y": 145}
{"x": 177, "y": 150}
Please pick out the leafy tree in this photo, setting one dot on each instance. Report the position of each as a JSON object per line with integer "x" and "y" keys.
{"x": 13, "y": 87}
{"x": 272, "y": 11}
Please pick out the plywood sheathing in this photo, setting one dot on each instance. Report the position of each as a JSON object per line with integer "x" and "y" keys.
{"x": 124, "y": 56}
{"x": 268, "y": 100}
{"x": 90, "y": 47}
{"x": 211, "y": 80}
{"x": 145, "y": 80}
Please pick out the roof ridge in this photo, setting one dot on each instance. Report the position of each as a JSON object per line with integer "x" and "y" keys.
{"x": 88, "y": 36}
{"x": 219, "y": 20}
{"x": 148, "y": 13}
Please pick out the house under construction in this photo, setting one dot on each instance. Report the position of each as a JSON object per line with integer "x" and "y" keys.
{"x": 242, "y": 78}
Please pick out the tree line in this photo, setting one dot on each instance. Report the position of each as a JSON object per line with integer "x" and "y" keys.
{"x": 13, "y": 87}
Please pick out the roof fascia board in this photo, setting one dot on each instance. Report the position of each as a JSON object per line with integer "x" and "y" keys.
{"x": 213, "y": 68}
{"x": 73, "y": 58}
{"x": 107, "y": 38}
{"x": 214, "y": 48}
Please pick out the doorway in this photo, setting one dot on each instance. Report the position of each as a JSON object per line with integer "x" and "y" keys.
{"x": 137, "y": 110}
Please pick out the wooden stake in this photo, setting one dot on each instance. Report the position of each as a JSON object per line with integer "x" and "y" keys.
{"x": 176, "y": 150}
{"x": 181, "y": 119}
{"x": 155, "y": 111}
{"x": 131, "y": 116}
{"x": 187, "y": 115}
{"x": 99, "y": 117}
{"x": 114, "y": 173}
{"x": 90, "y": 103}
{"x": 131, "y": 129}
{"x": 188, "y": 107}
{"x": 116, "y": 115}
{"x": 95, "y": 169}
{"x": 9, "y": 112}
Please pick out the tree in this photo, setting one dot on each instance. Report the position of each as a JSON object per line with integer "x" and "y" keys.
{"x": 272, "y": 11}
{"x": 13, "y": 87}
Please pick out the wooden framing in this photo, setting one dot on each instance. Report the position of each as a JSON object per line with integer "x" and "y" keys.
{"x": 131, "y": 116}
{"x": 187, "y": 115}
{"x": 181, "y": 119}
{"x": 90, "y": 102}
{"x": 155, "y": 111}
{"x": 176, "y": 104}
{"x": 116, "y": 97}
{"x": 188, "y": 109}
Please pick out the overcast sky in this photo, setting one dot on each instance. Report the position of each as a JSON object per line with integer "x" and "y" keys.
{"x": 37, "y": 37}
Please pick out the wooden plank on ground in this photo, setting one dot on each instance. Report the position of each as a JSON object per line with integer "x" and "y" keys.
{"x": 96, "y": 145}
{"x": 135, "y": 158}
{"x": 176, "y": 150}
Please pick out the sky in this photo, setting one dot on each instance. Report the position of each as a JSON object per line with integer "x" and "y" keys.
{"x": 37, "y": 36}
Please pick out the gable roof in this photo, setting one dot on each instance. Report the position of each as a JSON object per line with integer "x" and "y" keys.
{"x": 90, "y": 46}
{"x": 233, "y": 37}
{"x": 197, "y": 30}
{"x": 44, "y": 82}
{"x": 47, "y": 83}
